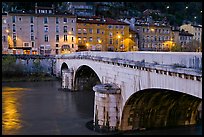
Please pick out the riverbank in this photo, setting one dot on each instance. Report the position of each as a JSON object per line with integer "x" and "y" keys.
{"x": 29, "y": 78}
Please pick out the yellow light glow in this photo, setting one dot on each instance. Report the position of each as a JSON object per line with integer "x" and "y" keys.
{"x": 99, "y": 41}
{"x": 7, "y": 30}
{"x": 152, "y": 29}
{"x": 87, "y": 44}
{"x": 10, "y": 107}
{"x": 130, "y": 36}
{"x": 119, "y": 36}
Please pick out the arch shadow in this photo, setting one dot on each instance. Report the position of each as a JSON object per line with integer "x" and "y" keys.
{"x": 85, "y": 78}
{"x": 155, "y": 108}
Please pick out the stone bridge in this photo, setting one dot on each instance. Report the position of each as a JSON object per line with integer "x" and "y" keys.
{"x": 135, "y": 90}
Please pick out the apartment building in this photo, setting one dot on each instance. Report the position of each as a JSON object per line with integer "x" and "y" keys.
{"x": 154, "y": 37}
{"x": 102, "y": 34}
{"x": 5, "y": 33}
{"x": 82, "y": 8}
{"x": 185, "y": 38}
{"x": 43, "y": 32}
{"x": 196, "y": 30}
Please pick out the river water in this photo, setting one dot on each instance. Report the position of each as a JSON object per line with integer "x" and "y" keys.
{"x": 39, "y": 108}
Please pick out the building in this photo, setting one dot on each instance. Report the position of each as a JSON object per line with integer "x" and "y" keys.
{"x": 185, "y": 38}
{"x": 102, "y": 34}
{"x": 82, "y": 8}
{"x": 5, "y": 33}
{"x": 154, "y": 37}
{"x": 175, "y": 30}
{"x": 196, "y": 30}
{"x": 43, "y": 32}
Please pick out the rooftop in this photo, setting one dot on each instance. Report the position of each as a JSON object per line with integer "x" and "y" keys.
{"x": 99, "y": 20}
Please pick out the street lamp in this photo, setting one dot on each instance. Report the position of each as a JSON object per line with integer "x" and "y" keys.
{"x": 186, "y": 7}
{"x": 87, "y": 46}
{"x": 7, "y": 31}
{"x": 167, "y": 7}
{"x": 152, "y": 29}
{"x": 118, "y": 41}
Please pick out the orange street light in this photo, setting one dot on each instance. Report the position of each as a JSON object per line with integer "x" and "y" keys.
{"x": 119, "y": 36}
{"x": 7, "y": 30}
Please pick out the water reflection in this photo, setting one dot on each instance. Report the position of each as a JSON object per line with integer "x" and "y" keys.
{"x": 10, "y": 109}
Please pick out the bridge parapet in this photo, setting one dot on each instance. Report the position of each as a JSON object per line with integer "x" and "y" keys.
{"x": 175, "y": 69}
{"x": 185, "y": 59}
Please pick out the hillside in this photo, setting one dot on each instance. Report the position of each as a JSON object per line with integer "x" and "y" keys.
{"x": 176, "y": 12}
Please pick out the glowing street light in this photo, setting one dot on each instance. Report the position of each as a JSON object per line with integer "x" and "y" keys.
{"x": 186, "y": 7}
{"x": 118, "y": 41}
{"x": 152, "y": 29}
{"x": 119, "y": 36}
{"x": 195, "y": 17}
{"x": 7, "y": 31}
{"x": 167, "y": 7}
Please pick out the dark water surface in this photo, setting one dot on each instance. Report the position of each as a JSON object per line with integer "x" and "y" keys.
{"x": 39, "y": 108}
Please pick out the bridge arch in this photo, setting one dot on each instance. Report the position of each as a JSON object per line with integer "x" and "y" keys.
{"x": 85, "y": 78}
{"x": 64, "y": 66}
{"x": 152, "y": 108}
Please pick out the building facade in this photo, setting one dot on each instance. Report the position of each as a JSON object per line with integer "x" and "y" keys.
{"x": 5, "y": 33}
{"x": 185, "y": 38}
{"x": 102, "y": 34}
{"x": 154, "y": 37}
{"x": 43, "y": 32}
{"x": 81, "y": 8}
{"x": 196, "y": 30}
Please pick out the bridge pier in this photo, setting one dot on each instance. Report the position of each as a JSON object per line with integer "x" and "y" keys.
{"x": 106, "y": 107}
{"x": 67, "y": 79}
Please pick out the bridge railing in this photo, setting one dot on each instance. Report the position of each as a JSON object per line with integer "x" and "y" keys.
{"x": 174, "y": 69}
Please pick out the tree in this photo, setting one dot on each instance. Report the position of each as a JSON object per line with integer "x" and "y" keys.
{"x": 8, "y": 65}
{"x": 192, "y": 46}
{"x": 176, "y": 48}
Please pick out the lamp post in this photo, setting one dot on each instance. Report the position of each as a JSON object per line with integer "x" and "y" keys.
{"x": 87, "y": 46}
{"x": 118, "y": 41}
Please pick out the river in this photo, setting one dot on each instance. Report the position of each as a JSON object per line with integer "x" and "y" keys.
{"x": 39, "y": 108}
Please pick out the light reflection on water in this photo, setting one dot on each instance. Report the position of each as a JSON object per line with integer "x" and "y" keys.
{"x": 39, "y": 108}
{"x": 10, "y": 107}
